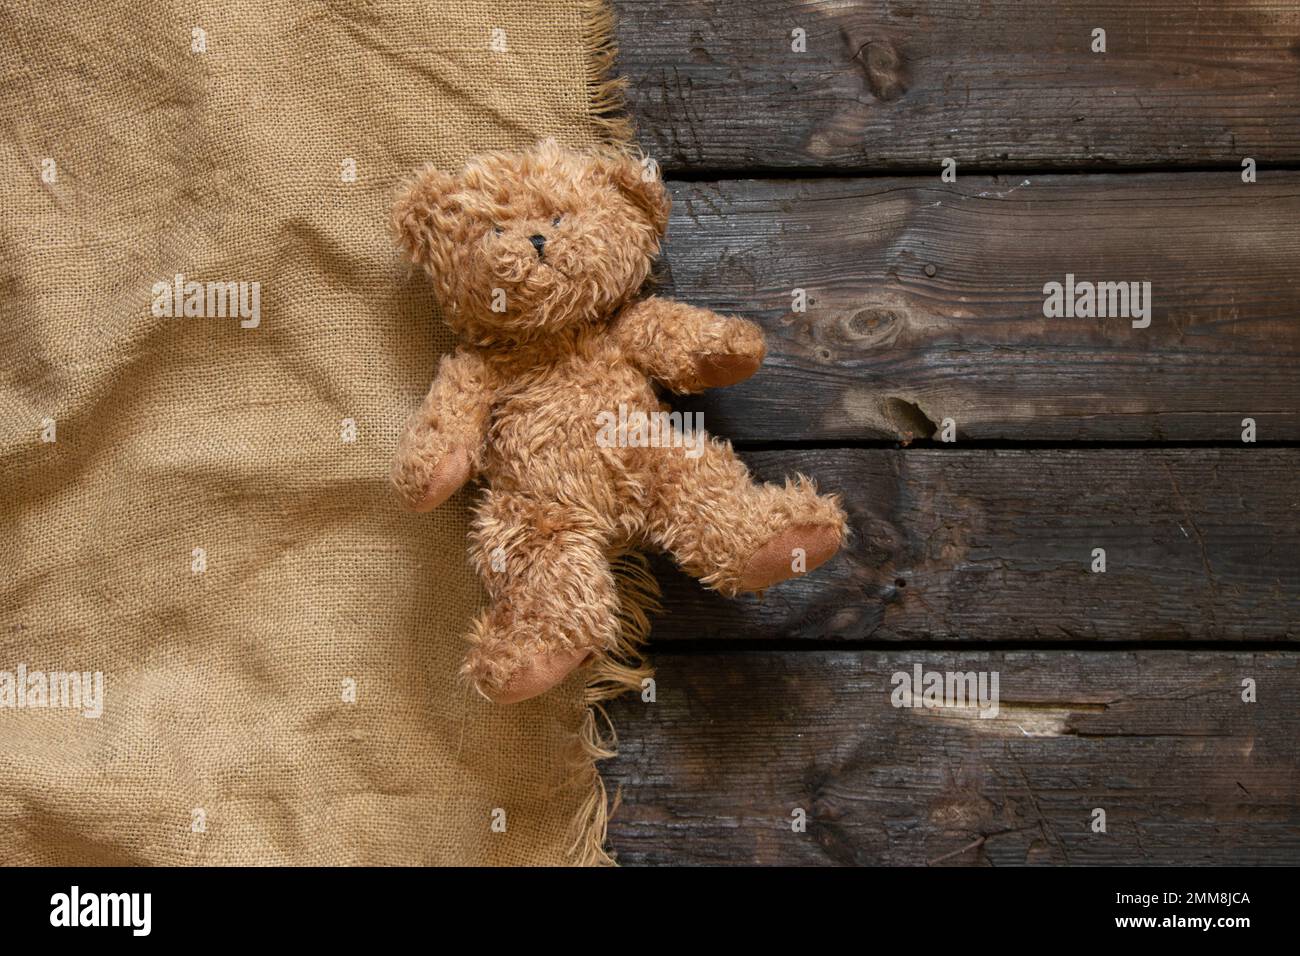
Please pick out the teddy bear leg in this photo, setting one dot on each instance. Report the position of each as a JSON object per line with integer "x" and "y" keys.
{"x": 733, "y": 534}
{"x": 553, "y": 599}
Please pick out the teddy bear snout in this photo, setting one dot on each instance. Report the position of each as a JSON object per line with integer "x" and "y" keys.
{"x": 539, "y": 243}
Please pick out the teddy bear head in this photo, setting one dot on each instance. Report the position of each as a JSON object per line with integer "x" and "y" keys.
{"x": 528, "y": 244}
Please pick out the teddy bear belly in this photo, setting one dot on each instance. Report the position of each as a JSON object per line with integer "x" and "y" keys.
{"x": 580, "y": 455}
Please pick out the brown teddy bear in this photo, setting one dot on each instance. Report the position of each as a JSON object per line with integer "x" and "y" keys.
{"x": 537, "y": 258}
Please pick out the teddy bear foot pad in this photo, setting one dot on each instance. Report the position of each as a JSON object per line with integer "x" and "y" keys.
{"x": 778, "y": 560}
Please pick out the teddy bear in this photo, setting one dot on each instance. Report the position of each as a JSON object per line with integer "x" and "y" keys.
{"x": 538, "y": 259}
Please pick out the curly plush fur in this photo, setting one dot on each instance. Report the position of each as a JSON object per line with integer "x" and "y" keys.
{"x": 537, "y": 258}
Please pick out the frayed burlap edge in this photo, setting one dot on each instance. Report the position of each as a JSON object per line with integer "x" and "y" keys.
{"x": 622, "y": 669}
{"x": 618, "y": 671}
{"x": 604, "y": 90}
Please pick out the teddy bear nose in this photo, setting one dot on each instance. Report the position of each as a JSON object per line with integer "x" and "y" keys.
{"x": 538, "y": 241}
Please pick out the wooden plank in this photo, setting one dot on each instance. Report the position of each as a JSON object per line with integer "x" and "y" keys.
{"x": 901, "y": 84}
{"x": 1186, "y": 772}
{"x": 997, "y": 545}
{"x": 926, "y": 300}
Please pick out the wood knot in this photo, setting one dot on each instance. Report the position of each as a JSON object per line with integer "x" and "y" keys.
{"x": 874, "y": 325}
{"x": 884, "y": 68}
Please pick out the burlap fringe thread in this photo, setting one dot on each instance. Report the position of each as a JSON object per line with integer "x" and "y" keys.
{"x": 604, "y": 90}
{"x": 618, "y": 671}
{"x": 622, "y": 669}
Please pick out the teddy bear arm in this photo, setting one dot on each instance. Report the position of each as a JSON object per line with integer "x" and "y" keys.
{"x": 440, "y": 447}
{"x": 688, "y": 349}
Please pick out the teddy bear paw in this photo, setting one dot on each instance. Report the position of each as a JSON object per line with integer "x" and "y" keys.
{"x": 794, "y": 551}
{"x": 532, "y": 677}
{"x": 423, "y": 488}
{"x": 720, "y": 370}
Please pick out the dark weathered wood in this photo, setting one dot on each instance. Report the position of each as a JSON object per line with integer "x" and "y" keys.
{"x": 892, "y": 84}
{"x": 925, "y": 302}
{"x": 1186, "y": 772}
{"x": 996, "y": 545}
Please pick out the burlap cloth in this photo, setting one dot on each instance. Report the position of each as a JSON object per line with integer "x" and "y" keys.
{"x": 133, "y": 149}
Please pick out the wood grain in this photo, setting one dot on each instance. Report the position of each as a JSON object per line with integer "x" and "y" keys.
{"x": 925, "y": 301}
{"x": 1186, "y": 772}
{"x": 925, "y": 306}
{"x": 901, "y": 84}
{"x": 997, "y": 545}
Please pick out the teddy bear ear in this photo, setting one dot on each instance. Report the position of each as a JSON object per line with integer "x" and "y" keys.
{"x": 637, "y": 178}
{"x": 420, "y": 214}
